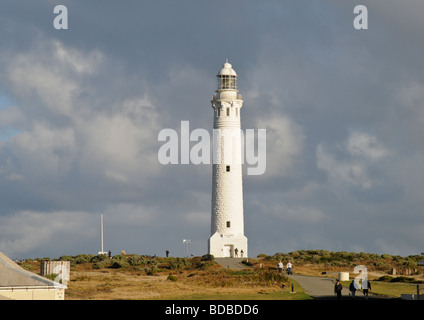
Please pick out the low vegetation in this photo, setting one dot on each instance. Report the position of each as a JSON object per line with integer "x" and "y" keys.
{"x": 133, "y": 276}
{"x": 346, "y": 259}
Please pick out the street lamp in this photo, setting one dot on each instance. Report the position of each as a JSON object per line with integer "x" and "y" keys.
{"x": 186, "y": 241}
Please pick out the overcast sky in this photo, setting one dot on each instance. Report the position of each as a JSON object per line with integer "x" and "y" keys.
{"x": 81, "y": 110}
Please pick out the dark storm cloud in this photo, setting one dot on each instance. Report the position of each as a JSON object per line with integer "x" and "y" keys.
{"x": 342, "y": 109}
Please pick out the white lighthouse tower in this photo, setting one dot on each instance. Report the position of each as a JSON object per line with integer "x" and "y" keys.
{"x": 227, "y": 222}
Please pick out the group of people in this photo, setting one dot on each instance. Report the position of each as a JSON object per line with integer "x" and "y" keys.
{"x": 289, "y": 266}
{"x": 236, "y": 252}
{"x": 338, "y": 287}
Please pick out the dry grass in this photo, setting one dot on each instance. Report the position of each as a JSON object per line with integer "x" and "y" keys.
{"x": 193, "y": 278}
{"x": 117, "y": 284}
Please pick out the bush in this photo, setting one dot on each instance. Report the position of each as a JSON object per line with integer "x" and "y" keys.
{"x": 67, "y": 258}
{"x": 180, "y": 263}
{"x": 100, "y": 265}
{"x": 207, "y": 257}
{"x": 172, "y": 278}
{"x": 247, "y": 263}
{"x": 410, "y": 263}
{"x": 403, "y": 279}
{"x": 136, "y": 260}
{"x": 118, "y": 263}
{"x": 51, "y": 276}
{"x": 98, "y": 258}
{"x": 385, "y": 278}
{"x": 268, "y": 277}
{"x": 83, "y": 258}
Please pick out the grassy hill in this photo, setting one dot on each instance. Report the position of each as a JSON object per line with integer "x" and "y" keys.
{"x": 133, "y": 276}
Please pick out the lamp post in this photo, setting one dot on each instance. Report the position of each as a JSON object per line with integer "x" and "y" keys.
{"x": 186, "y": 241}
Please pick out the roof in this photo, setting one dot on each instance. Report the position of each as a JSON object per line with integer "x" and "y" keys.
{"x": 12, "y": 275}
{"x": 227, "y": 70}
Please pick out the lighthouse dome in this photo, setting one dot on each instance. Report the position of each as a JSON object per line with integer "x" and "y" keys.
{"x": 227, "y": 70}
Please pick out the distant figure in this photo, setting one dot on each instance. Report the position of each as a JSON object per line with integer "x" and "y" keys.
{"x": 280, "y": 267}
{"x": 241, "y": 252}
{"x": 365, "y": 286}
{"x": 109, "y": 254}
{"x": 236, "y": 252}
{"x": 338, "y": 289}
{"x": 352, "y": 289}
{"x": 167, "y": 253}
{"x": 289, "y": 268}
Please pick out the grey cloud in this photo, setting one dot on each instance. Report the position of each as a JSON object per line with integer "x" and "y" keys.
{"x": 87, "y": 106}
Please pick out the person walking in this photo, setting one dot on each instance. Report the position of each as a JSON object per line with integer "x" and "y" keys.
{"x": 352, "y": 289}
{"x": 289, "y": 268}
{"x": 366, "y": 285}
{"x": 280, "y": 267}
{"x": 338, "y": 289}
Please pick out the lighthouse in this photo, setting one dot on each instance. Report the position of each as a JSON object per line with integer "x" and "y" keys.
{"x": 227, "y": 218}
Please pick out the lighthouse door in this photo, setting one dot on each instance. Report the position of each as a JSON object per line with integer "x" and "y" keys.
{"x": 228, "y": 252}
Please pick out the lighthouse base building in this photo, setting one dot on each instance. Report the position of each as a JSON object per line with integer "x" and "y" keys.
{"x": 221, "y": 246}
{"x": 227, "y": 221}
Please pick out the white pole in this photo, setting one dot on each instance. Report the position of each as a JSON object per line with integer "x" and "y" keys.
{"x": 101, "y": 230}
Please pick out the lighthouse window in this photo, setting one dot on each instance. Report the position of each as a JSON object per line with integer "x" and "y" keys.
{"x": 227, "y": 82}
{"x": 228, "y": 112}
{"x": 228, "y": 224}
{"x": 228, "y": 168}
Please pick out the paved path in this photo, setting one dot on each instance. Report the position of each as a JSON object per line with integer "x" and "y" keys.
{"x": 315, "y": 286}
{"x": 233, "y": 263}
{"x": 323, "y": 288}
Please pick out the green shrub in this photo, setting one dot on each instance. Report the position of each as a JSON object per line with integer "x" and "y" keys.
{"x": 207, "y": 257}
{"x": 247, "y": 263}
{"x": 180, "y": 263}
{"x": 100, "y": 265}
{"x": 136, "y": 260}
{"x": 385, "y": 278}
{"x": 120, "y": 257}
{"x": 172, "y": 278}
{"x": 67, "y": 258}
{"x": 98, "y": 258}
{"x": 403, "y": 279}
{"x": 83, "y": 258}
{"x": 119, "y": 263}
{"x": 269, "y": 276}
{"x": 52, "y": 276}
{"x": 410, "y": 263}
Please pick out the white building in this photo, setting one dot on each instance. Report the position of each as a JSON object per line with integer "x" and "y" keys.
{"x": 19, "y": 284}
{"x": 227, "y": 221}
